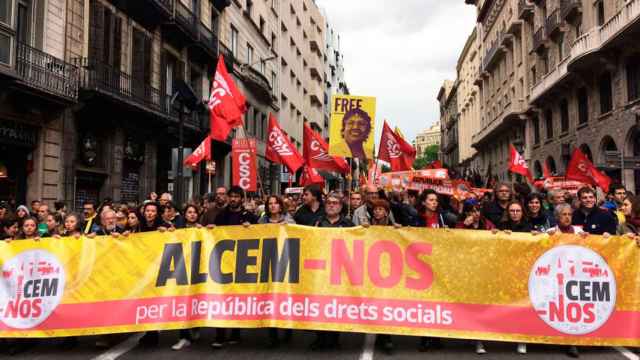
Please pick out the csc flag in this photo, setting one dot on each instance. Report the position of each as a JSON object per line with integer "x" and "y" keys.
{"x": 316, "y": 153}
{"x": 518, "y": 165}
{"x": 226, "y": 105}
{"x": 280, "y": 149}
{"x": 202, "y": 152}
{"x": 244, "y": 164}
{"x": 581, "y": 169}
{"x": 395, "y": 150}
{"x": 352, "y": 126}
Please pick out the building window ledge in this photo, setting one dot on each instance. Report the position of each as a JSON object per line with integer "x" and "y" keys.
{"x": 582, "y": 126}
{"x": 548, "y": 141}
{"x": 564, "y": 134}
{"x": 536, "y": 146}
{"x": 632, "y": 103}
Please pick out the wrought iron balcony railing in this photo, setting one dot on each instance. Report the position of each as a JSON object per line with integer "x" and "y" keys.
{"x": 104, "y": 78}
{"x": 552, "y": 23}
{"x": 569, "y": 7}
{"x": 538, "y": 38}
{"x": 187, "y": 19}
{"x": 47, "y": 73}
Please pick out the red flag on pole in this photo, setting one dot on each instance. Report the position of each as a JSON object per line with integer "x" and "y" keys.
{"x": 244, "y": 164}
{"x": 280, "y": 149}
{"x": 202, "y": 152}
{"x": 310, "y": 176}
{"x": 395, "y": 150}
{"x": 227, "y": 105}
{"x": 518, "y": 165}
{"x": 546, "y": 173}
{"x": 581, "y": 169}
{"x": 316, "y": 153}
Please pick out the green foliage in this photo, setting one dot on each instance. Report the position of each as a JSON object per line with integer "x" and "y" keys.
{"x": 430, "y": 155}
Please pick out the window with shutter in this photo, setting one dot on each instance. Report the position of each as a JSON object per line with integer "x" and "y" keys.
{"x": 96, "y": 34}
{"x": 138, "y": 64}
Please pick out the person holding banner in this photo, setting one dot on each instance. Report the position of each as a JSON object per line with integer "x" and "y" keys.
{"x": 312, "y": 210}
{"x": 332, "y": 218}
{"x": 591, "y": 218}
{"x": 515, "y": 220}
{"x": 233, "y": 214}
{"x": 191, "y": 217}
{"x": 472, "y": 219}
{"x": 540, "y": 220}
{"x": 152, "y": 220}
{"x": 10, "y": 227}
{"x": 630, "y": 208}
{"x": 495, "y": 210}
{"x": 275, "y": 213}
{"x": 29, "y": 230}
{"x": 429, "y": 214}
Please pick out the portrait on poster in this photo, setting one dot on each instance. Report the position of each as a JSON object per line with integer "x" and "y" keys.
{"x": 352, "y": 126}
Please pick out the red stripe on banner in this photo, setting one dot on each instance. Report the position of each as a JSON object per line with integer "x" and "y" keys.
{"x": 505, "y": 319}
{"x": 317, "y": 264}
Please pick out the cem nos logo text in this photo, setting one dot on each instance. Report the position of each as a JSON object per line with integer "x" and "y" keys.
{"x": 572, "y": 289}
{"x": 31, "y": 287}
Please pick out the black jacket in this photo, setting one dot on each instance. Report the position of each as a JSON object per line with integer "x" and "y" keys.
{"x": 522, "y": 226}
{"x": 304, "y": 215}
{"x": 104, "y": 231}
{"x": 342, "y": 222}
{"x": 493, "y": 211}
{"x": 153, "y": 227}
{"x": 542, "y": 222}
{"x": 228, "y": 217}
{"x": 597, "y": 221}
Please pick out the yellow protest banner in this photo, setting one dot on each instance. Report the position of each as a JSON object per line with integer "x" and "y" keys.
{"x": 450, "y": 283}
{"x": 351, "y": 132}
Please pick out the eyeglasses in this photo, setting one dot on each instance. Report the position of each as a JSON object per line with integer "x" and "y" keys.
{"x": 333, "y": 202}
{"x": 515, "y": 211}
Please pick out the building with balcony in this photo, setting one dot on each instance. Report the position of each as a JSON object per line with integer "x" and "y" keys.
{"x": 502, "y": 34}
{"x": 334, "y": 68}
{"x": 468, "y": 102}
{"x": 449, "y": 116}
{"x": 38, "y": 89}
{"x": 427, "y": 137}
{"x": 585, "y": 89}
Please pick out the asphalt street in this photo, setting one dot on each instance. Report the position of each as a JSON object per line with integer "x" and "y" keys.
{"x": 254, "y": 345}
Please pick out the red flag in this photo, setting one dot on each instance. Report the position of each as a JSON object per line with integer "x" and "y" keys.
{"x": 244, "y": 164}
{"x": 202, "y": 152}
{"x": 280, "y": 149}
{"x": 395, "y": 150}
{"x": 581, "y": 169}
{"x": 546, "y": 173}
{"x": 436, "y": 164}
{"x": 226, "y": 103}
{"x": 518, "y": 165}
{"x": 316, "y": 153}
{"x": 310, "y": 176}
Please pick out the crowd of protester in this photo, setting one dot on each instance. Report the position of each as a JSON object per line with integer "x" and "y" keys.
{"x": 508, "y": 209}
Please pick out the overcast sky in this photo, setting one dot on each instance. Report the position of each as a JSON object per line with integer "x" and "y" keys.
{"x": 400, "y": 51}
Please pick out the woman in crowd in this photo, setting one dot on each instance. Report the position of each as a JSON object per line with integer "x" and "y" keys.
{"x": 151, "y": 220}
{"x": 10, "y": 228}
{"x": 514, "y": 220}
{"x": 53, "y": 224}
{"x": 121, "y": 216}
{"x": 275, "y": 212}
{"x": 472, "y": 218}
{"x": 539, "y": 219}
{"x": 188, "y": 336}
{"x": 631, "y": 210}
{"x": 22, "y": 213}
{"x": 72, "y": 226}
{"x": 563, "y": 214}
{"x": 133, "y": 222}
{"x": 380, "y": 217}
{"x": 29, "y": 229}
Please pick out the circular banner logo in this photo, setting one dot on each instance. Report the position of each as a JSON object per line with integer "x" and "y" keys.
{"x": 572, "y": 289}
{"x": 31, "y": 288}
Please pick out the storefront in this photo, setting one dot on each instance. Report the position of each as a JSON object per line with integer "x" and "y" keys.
{"x": 17, "y": 142}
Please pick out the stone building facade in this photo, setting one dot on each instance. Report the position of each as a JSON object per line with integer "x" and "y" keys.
{"x": 558, "y": 75}
{"x": 427, "y": 137}
{"x": 449, "y": 116}
{"x": 468, "y": 102}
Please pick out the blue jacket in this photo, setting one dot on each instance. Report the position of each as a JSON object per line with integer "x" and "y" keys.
{"x": 598, "y": 221}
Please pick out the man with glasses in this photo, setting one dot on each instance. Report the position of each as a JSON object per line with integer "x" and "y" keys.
{"x": 363, "y": 214}
{"x": 89, "y": 211}
{"x": 495, "y": 210}
{"x": 331, "y": 218}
